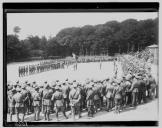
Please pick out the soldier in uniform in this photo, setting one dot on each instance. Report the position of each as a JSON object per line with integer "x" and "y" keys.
{"x": 58, "y": 99}
{"x": 36, "y": 103}
{"x": 97, "y": 100}
{"x": 109, "y": 96}
{"x": 142, "y": 91}
{"x": 128, "y": 83}
{"x": 47, "y": 95}
{"x": 25, "y": 98}
{"x": 11, "y": 102}
{"x": 117, "y": 96}
{"x": 19, "y": 106}
{"x": 134, "y": 89}
{"x": 152, "y": 84}
{"x": 65, "y": 91}
{"x": 75, "y": 97}
{"x": 90, "y": 101}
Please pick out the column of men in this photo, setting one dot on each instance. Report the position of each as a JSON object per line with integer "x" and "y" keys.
{"x": 92, "y": 96}
{"x": 38, "y": 68}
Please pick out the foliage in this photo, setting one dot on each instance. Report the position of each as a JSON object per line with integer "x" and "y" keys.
{"x": 108, "y": 39}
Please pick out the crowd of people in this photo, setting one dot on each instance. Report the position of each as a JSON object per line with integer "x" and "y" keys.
{"x": 136, "y": 86}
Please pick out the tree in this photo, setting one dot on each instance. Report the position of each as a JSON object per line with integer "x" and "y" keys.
{"x": 16, "y": 30}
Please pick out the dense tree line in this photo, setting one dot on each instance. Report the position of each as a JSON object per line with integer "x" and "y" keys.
{"x": 109, "y": 38}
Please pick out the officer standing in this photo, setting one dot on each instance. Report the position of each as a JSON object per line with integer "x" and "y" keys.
{"x": 90, "y": 101}
{"x": 47, "y": 95}
{"x": 36, "y": 103}
{"x": 118, "y": 96}
{"x": 19, "y": 106}
{"x": 58, "y": 99}
{"x": 75, "y": 98}
{"x": 65, "y": 91}
{"x": 109, "y": 96}
{"x": 11, "y": 102}
{"x": 134, "y": 89}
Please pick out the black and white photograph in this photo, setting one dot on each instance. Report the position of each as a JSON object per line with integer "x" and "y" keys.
{"x": 80, "y": 66}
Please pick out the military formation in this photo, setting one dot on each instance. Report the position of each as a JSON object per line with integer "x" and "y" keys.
{"x": 111, "y": 94}
{"x": 42, "y": 67}
{"x": 136, "y": 86}
{"x": 49, "y": 65}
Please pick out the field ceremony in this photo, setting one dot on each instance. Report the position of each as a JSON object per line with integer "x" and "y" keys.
{"x": 90, "y": 71}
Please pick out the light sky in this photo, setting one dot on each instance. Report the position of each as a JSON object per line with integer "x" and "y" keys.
{"x": 49, "y": 24}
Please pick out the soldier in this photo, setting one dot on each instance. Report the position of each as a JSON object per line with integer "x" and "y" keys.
{"x": 152, "y": 84}
{"x": 75, "y": 97}
{"x": 134, "y": 89}
{"x": 58, "y": 99}
{"x": 109, "y": 96}
{"x": 11, "y": 102}
{"x": 19, "y": 106}
{"x": 65, "y": 91}
{"x": 97, "y": 100}
{"x": 128, "y": 84}
{"x": 25, "y": 98}
{"x": 47, "y": 95}
{"x": 36, "y": 103}
{"x": 118, "y": 96}
{"x": 90, "y": 101}
{"x": 142, "y": 90}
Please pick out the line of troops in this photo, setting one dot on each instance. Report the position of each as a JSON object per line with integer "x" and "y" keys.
{"x": 92, "y": 96}
{"x": 54, "y": 64}
{"x": 39, "y": 68}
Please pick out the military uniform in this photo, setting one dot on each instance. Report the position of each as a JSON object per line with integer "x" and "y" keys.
{"x": 11, "y": 102}
{"x": 152, "y": 85}
{"x": 75, "y": 98}
{"x": 47, "y": 95}
{"x": 97, "y": 97}
{"x": 58, "y": 99}
{"x": 36, "y": 103}
{"x": 109, "y": 96}
{"x": 19, "y": 105}
{"x": 134, "y": 89}
{"x": 24, "y": 93}
{"x": 90, "y": 101}
{"x": 142, "y": 91}
{"x": 65, "y": 91}
{"x": 117, "y": 97}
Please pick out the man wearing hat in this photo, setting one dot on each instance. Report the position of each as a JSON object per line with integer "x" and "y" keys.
{"x": 128, "y": 84}
{"x": 11, "y": 102}
{"x": 36, "y": 103}
{"x": 65, "y": 90}
{"x": 47, "y": 95}
{"x": 26, "y": 101}
{"x": 58, "y": 100}
{"x": 90, "y": 101}
{"x": 97, "y": 96}
{"x": 109, "y": 96}
{"x": 19, "y": 105}
{"x": 117, "y": 92}
{"x": 75, "y": 97}
{"x": 134, "y": 89}
{"x": 153, "y": 86}
{"x": 142, "y": 90}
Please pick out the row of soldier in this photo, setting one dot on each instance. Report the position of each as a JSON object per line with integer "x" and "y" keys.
{"x": 44, "y": 66}
{"x": 38, "y": 68}
{"x": 110, "y": 94}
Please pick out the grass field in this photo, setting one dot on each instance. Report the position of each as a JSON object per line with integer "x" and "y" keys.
{"x": 85, "y": 70}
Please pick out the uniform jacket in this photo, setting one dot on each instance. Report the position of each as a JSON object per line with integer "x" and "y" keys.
{"x": 90, "y": 97}
{"x": 58, "y": 99}
{"x": 75, "y": 97}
